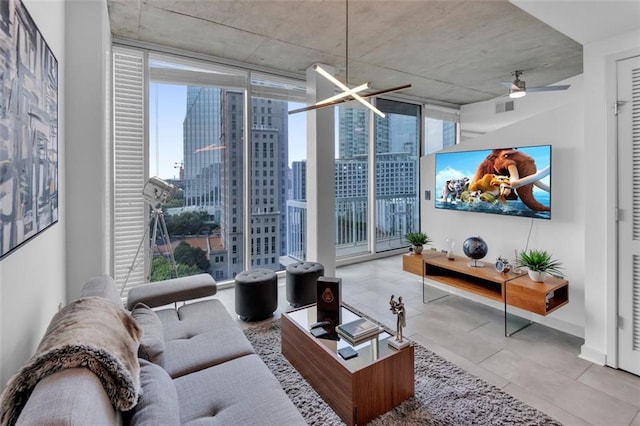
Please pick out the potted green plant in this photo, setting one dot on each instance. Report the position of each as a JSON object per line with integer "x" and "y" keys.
{"x": 538, "y": 263}
{"x": 418, "y": 239}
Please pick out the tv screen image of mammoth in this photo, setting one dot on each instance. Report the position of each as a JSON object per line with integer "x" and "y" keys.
{"x": 509, "y": 181}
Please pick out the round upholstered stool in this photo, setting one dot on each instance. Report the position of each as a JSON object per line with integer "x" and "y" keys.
{"x": 301, "y": 282}
{"x": 256, "y": 294}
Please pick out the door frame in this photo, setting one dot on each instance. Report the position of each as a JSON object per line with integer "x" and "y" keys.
{"x": 612, "y": 262}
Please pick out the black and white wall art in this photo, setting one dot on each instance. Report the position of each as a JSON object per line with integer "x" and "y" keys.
{"x": 28, "y": 129}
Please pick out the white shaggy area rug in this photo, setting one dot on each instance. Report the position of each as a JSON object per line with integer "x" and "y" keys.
{"x": 444, "y": 393}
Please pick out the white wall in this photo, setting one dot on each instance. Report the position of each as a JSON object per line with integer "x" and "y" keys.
{"x": 600, "y": 236}
{"x": 89, "y": 159}
{"x": 32, "y": 279}
{"x": 50, "y": 269}
{"x": 563, "y": 235}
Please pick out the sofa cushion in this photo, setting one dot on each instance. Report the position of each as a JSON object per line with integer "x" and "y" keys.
{"x": 184, "y": 356}
{"x": 239, "y": 392}
{"x": 158, "y": 403}
{"x": 152, "y": 344}
{"x": 195, "y": 318}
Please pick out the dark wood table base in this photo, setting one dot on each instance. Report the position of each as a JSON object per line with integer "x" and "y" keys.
{"x": 357, "y": 390}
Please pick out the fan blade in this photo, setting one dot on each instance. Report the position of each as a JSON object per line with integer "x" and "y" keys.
{"x": 509, "y": 85}
{"x": 548, "y": 88}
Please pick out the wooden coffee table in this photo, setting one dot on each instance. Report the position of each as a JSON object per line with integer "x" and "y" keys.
{"x": 358, "y": 389}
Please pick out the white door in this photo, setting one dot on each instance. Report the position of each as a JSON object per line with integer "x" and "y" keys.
{"x": 628, "y": 114}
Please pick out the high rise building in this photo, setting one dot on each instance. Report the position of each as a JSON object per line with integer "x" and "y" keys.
{"x": 401, "y": 136}
{"x": 202, "y": 156}
{"x": 269, "y": 136}
{"x": 299, "y": 180}
{"x": 352, "y": 134}
{"x": 231, "y": 224}
{"x": 214, "y": 157}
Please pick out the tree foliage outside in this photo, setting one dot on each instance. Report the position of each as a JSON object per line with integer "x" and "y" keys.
{"x": 161, "y": 269}
{"x": 191, "y": 256}
{"x": 177, "y": 200}
{"x": 188, "y": 223}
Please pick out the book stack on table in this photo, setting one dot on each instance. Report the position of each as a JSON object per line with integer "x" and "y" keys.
{"x": 358, "y": 331}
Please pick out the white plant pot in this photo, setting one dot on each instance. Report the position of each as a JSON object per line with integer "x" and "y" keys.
{"x": 537, "y": 276}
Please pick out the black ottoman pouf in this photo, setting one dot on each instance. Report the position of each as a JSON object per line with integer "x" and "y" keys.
{"x": 301, "y": 282}
{"x": 256, "y": 294}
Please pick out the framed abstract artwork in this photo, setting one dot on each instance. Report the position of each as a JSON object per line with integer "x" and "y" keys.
{"x": 28, "y": 129}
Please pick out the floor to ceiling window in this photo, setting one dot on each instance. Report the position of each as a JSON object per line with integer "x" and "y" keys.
{"x": 352, "y": 177}
{"x": 441, "y": 129}
{"x": 396, "y": 179}
{"x": 223, "y": 137}
{"x": 375, "y": 210}
{"x": 232, "y": 180}
{"x": 296, "y": 208}
{"x": 196, "y": 116}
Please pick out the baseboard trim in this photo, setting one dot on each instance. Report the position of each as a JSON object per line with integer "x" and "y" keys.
{"x": 564, "y": 326}
{"x": 592, "y": 355}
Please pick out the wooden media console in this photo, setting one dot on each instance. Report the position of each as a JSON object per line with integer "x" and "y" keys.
{"x": 513, "y": 289}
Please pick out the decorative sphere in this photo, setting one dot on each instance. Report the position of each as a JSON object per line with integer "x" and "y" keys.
{"x": 475, "y": 248}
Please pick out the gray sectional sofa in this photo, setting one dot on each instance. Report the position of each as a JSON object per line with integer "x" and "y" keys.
{"x": 196, "y": 367}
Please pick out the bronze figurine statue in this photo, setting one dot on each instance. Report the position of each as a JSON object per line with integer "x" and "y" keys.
{"x": 397, "y": 307}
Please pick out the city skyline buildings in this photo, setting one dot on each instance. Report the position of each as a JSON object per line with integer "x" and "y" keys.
{"x": 203, "y": 147}
{"x": 213, "y": 159}
{"x": 167, "y": 104}
{"x": 213, "y": 177}
{"x": 168, "y": 109}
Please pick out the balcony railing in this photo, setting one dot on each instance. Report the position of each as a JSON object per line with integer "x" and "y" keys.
{"x": 395, "y": 216}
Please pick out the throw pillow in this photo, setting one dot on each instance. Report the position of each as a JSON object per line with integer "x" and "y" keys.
{"x": 158, "y": 402}
{"x": 152, "y": 343}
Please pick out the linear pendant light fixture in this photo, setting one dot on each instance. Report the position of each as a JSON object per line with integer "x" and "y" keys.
{"x": 344, "y": 94}
{"x": 347, "y": 93}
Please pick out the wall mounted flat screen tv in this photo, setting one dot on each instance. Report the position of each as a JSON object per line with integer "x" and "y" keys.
{"x": 508, "y": 181}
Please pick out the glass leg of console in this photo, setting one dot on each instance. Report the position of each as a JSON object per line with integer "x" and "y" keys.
{"x": 431, "y": 293}
{"x": 513, "y": 323}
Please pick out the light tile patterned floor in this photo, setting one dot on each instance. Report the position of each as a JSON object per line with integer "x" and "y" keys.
{"x": 538, "y": 365}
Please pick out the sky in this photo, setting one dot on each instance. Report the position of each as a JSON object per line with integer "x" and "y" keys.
{"x": 167, "y": 110}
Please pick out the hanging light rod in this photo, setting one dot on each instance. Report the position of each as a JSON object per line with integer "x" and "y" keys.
{"x": 347, "y": 94}
{"x": 348, "y": 99}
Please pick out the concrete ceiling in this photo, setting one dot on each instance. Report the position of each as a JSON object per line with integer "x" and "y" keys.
{"x": 452, "y": 51}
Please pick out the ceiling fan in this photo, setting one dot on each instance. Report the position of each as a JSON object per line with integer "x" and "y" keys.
{"x": 518, "y": 88}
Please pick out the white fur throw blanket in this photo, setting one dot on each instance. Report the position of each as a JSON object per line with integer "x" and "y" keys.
{"x": 90, "y": 332}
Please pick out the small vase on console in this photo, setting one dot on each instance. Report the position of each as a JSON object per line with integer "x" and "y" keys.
{"x": 537, "y": 276}
{"x": 539, "y": 263}
{"x": 418, "y": 240}
{"x": 450, "y": 254}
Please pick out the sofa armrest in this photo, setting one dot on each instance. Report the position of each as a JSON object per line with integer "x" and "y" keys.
{"x": 161, "y": 293}
{"x": 73, "y": 396}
